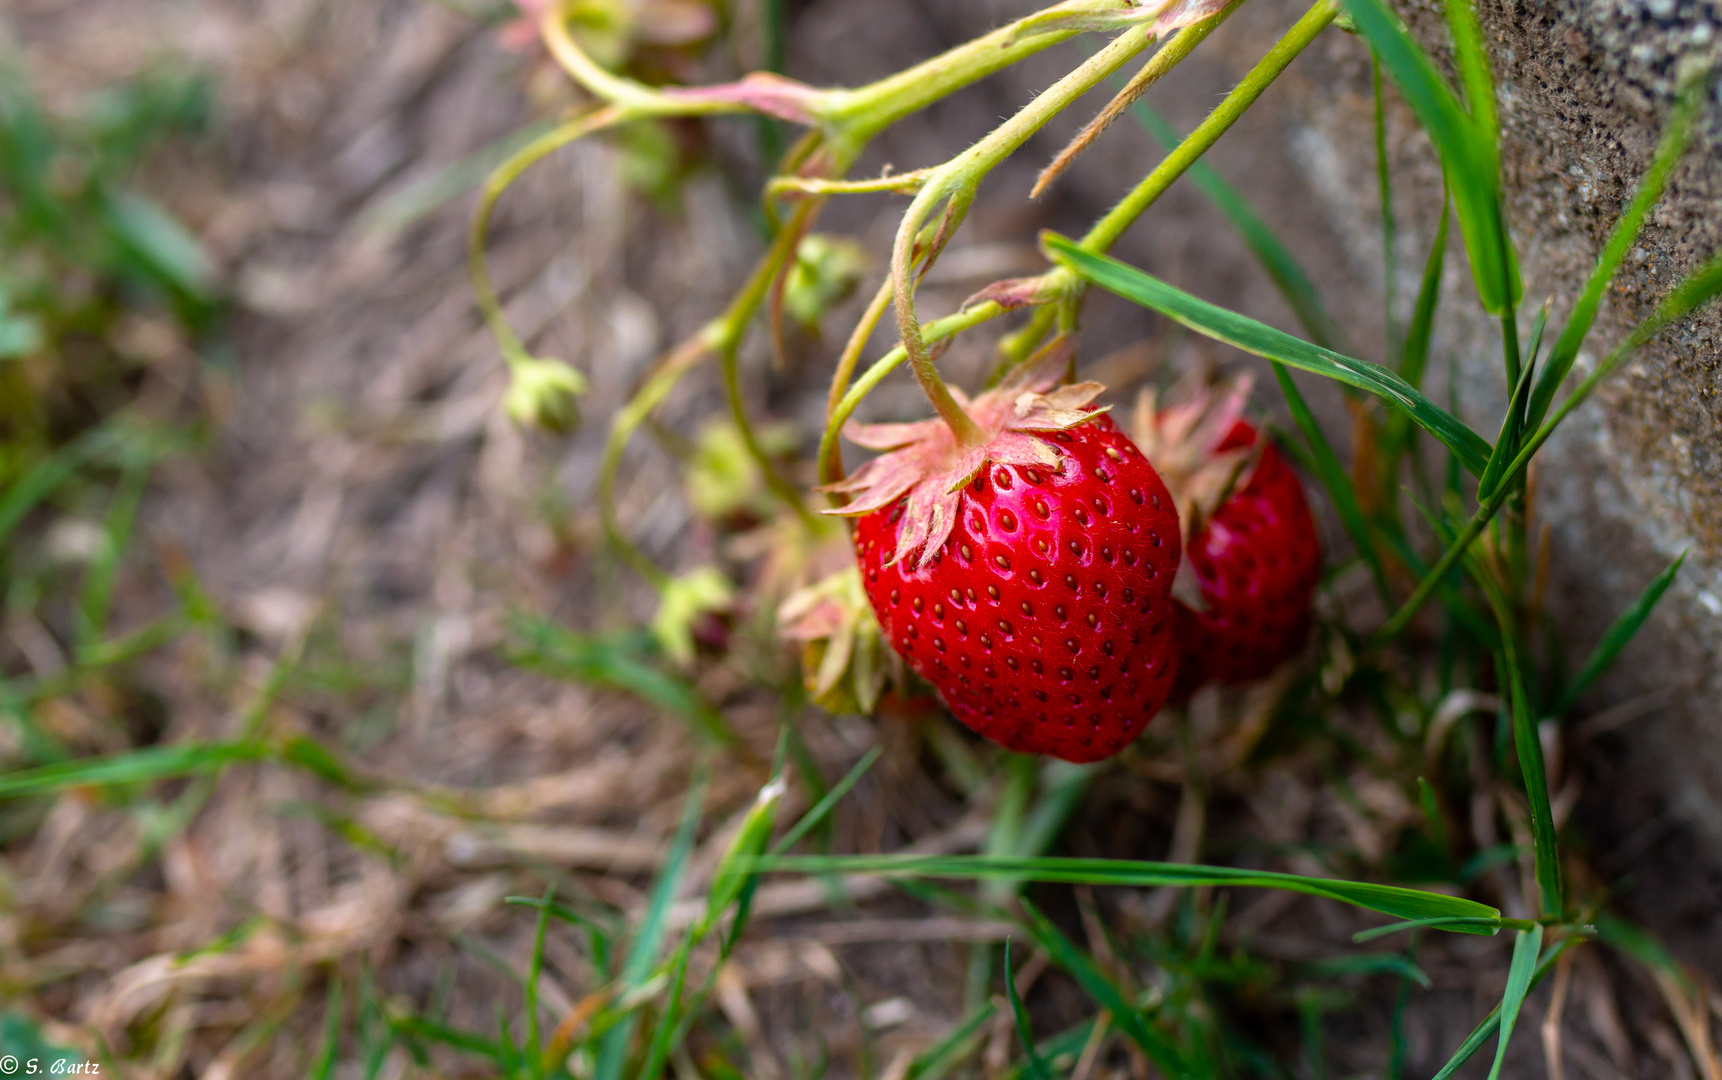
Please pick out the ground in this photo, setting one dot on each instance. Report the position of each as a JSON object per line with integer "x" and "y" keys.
{"x": 370, "y": 521}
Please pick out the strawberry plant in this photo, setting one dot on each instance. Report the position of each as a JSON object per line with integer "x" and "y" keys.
{"x": 1143, "y": 599}
{"x": 993, "y": 545}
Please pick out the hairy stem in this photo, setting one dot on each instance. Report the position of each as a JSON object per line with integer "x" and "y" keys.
{"x": 494, "y": 185}
{"x": 1107, "y": 231}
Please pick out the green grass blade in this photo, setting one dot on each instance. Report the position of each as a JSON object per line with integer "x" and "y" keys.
{"x": 1036, "y": 1064}
{"x": 1388, "y": 899}
{"x": 1276, "y": 259}
{"x": 649, "y": 938}
{"x": 324, "y": 1067}
{"x": 1620, "y": 240}
{"x": 1373, "y": 964}
{"x": 1638, "y": 943}
{"x": 1535, "y": 774}
{"x": 1488, "y": 926}
{"x": 52, "y": 471}
{"x": 136, "y": 767}
{"x": 825, "y": 805}
{"x": 1125, "y": 1015}
{"x": 1619, "y": 633}
{"x": 1416, "y": 356}
{"x": 1492, "y": 1022}
{"x": 1519, "y": 975}
{"x": 1339, "y": 487}
{"x": 1389, "y": 223}
{"x": 1473, "y": 63}
{"x": 618, "y": 661}
{"x": 1262, "y": 340}
{"x": 1466, "y": 150}
{"x": 938, "y": 1058}
{"x": 534, "y": 970}
{"x": 1508, "y": 442}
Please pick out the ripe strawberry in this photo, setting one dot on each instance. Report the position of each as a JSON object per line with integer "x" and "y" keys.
{"x": 1028, "y": 579}
{"x": 1252, "y": 558}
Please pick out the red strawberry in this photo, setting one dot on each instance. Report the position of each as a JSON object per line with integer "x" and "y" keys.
{"x": 1252, "y": 556}
{"x": 1028, "y": 578}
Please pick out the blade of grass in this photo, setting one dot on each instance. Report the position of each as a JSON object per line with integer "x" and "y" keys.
{"x": 1438, "y": 923}
{"x": 1416, "y": 355}
{"x": 1389, "y": 224}
{"x": 1036, "y": 1064}
{"x": 1276, "y": 259}
{"x": 1492, "y": 1023}
{"x": 619, "y": 661}
{"x": 534, "y": 970}
{"x": 1694, "y": 292}
{"x": 1529, "y": 747}
{"x": 1512, "y": 434}
{"x": 1387, "y": 899}
{"x": 649, "y": 937}
{"x": 1619, "y": 633}
{"x": 324, "y": 1067}
{"x": 1467, "y": 151}
{"x": 137, "y": 767}
{"x": 1337, "y": 483}
{"x": 1620, "y": 240}
{"x": 1262, "y": 340}
{"x": 52, "y": 471}
{"x": 1125, "y": 1015}
{"x": 825, "y": 805}
{"x": 1519, "y": 974}
{"x": 938, "y": 1058}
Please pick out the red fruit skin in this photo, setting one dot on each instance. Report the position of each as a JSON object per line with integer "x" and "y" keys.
{"x": 1046, "y": 621}
{"x": 1257, "y": 563}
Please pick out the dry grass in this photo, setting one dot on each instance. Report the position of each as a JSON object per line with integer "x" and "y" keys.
{"x": 367, "y": 523}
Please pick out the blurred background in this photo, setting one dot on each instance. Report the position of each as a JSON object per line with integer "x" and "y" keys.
{"x": 256, "y": 478}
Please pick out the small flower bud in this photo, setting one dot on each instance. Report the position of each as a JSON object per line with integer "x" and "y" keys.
{"x": 542, "y": 393}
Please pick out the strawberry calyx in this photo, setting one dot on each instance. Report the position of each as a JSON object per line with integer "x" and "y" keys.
{"x": 925, "y": 461}
{"x": 1190, "y": 439}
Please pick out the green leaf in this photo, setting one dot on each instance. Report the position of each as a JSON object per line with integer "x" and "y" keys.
{"x": 137, "y": 767}
{"x": 1519, "y": 976}
{"x": 1417, "y": 335}
{"x": 49, "y": 473}
{"x": 1373, "y": 964}
{"x": 161, "y": 244}
{"x": 618, "y": 661}
{"x": 1532, "y": 768}
{"x": 1487, "y": 926}
{"x": 1125, "y": 1015}
{"x": 1262, "y": 340}
{"x": 1036, "y": 1064}
{"x": 1473, "y": 64}
{"x": 1338, "y": 484}
{"x": 1281, "y": 265}
{"x": 1466, "y": 149}
{"x": 649, "y": 935}
{"x": 937, "y": 1059}
{"x": 1492, "y": 1022}
{"x": 1620, "y": 240}
{"x": 825, "y": 805}
{"x": 324, "y": 1067}
{"x": 22, "y": 1037}
{"x": 1619, "y": 633}
{"x": 1512, "y": 433}
{"x": 1387, "y": 899}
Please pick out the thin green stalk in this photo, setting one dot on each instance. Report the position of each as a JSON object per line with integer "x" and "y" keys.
{"x": 1389, "y": 225}
{"x": 1696, "y": 290}
{"x": 931, "y": 333}
{"x": 952, "y": 186}
{"x": 513, "y": 350}
{"x": 1107, "y": 231}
